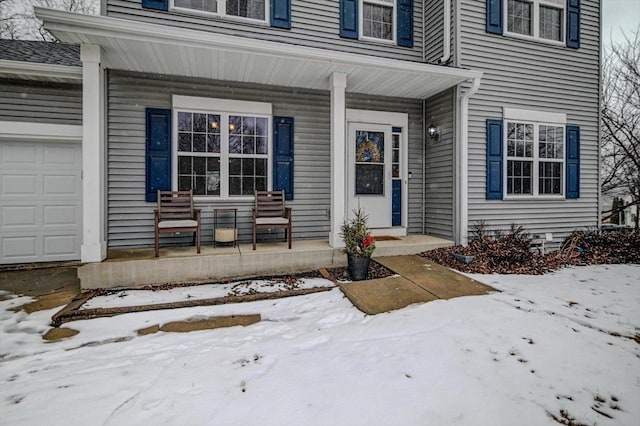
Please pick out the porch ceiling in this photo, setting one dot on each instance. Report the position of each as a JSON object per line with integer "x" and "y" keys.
{"x": 144, "y": 47}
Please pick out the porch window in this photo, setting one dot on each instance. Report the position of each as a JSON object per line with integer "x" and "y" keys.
{"x": 377, "y": 19}
{"x": 539, "y": 19}
{"x": 222, "y": 154}
{"x": 534, "y": 159}
{"x": 251, "y": 9}
{"x": 199, "y": 153}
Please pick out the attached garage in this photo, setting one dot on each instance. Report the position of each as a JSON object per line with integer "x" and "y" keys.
{"x": 40, "y": 201}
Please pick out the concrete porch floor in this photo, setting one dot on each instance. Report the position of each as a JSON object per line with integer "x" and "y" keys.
{"x": 139, "y": 267}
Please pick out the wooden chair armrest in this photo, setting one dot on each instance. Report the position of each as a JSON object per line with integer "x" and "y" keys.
{"x": 198, "y": 212}
{"x": 287, "y": 212}
{"x": 253, "y": 210}
{"x": 156, "y": 216}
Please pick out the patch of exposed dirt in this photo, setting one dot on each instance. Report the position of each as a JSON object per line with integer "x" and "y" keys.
{"x": 47, "y": 301}
{"x": 59, "y": 333}
{"x": 196, "y": 324}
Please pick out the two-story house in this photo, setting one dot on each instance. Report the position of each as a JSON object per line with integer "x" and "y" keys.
{"x": 429, "y": 115}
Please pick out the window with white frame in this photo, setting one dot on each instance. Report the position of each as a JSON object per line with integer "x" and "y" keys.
{"x": 251, "y": 9}
{"x": 221, "y": 154}
{"x": 541, "y": 19}
{"x": 534, "y": 158}
{"x": 378, "y": 19}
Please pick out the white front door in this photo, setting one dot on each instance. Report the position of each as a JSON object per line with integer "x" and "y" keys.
{"x": 369, "y": 172}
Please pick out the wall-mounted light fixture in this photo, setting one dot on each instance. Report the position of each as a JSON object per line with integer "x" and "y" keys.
{"x": 433, "y": 132}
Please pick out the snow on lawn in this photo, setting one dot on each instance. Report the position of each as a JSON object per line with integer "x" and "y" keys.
{"x": 545, "y": 346}
{"x": 199, "y": 292}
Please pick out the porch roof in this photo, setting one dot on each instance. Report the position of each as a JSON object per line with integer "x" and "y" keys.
{"x": 147, "y": 47}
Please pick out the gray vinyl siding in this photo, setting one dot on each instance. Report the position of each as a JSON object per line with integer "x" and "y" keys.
{"x": 130, "y": 218}
{"x": 40, "y": 102}
{"x": 439, "y": 165}
{"x": 433, "y": 31}
{"x": 537, "y": 76}
{"x": 315, "y": 23}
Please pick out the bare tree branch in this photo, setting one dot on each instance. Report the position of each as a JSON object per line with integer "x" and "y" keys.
{"x": 620, "y": 126}
{"x": 18, "y": 21}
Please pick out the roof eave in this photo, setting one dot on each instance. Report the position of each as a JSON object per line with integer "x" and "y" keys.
{"x": 40, "y": 71}
{"x": 366, "y": 74}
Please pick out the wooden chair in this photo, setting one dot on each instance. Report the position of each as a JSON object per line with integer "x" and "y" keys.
{"x": 270, "y": 212}
{"x": 175, "y": 213}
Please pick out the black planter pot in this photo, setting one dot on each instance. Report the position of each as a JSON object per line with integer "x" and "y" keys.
{"x": 358, "y": 266}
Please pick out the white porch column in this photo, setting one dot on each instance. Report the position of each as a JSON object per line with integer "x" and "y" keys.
{"x": 94, "y": 246}
{"x": 338, "y": 84}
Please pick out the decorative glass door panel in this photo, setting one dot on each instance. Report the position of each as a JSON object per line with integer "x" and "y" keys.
{"x": 369, "y": 172}
{"x": 369, "y": 163}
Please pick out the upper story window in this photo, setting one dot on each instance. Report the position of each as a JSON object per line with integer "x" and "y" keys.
{"x": 251, "y": 9}
{"x": 541, "y": 19}
{"x": 378, "y": 19}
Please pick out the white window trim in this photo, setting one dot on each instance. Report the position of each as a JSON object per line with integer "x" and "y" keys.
{"x": 223, "y": 107}
{"x": 222, "y": 4}
{"x": 558, "y": 4}
{"x": 535, "y": 160}
{"x": 394, "y": 17}
{"x": 517, "y": 114}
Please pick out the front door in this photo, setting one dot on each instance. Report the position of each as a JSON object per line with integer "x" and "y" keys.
{"x": 369, "y": 172}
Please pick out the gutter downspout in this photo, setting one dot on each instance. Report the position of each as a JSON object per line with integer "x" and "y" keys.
{"x": 599, "y": 198}
{"x": 446, "y": 33}
{"x": 464, "y": 159}
{"x": 424, "y": 166}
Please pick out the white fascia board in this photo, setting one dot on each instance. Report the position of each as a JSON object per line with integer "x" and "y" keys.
{"x": 534, "y": 115}
{"x": 41, "y": 70}
{"x": 17, "y": 130}
{"x": 154, "y": 33}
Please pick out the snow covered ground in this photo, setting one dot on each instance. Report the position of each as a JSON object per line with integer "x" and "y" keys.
{"x": 545, "y": 346}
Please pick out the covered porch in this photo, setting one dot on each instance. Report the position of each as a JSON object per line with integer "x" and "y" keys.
{"x": 139, "y": 267}
{"x": 152, "y": 51}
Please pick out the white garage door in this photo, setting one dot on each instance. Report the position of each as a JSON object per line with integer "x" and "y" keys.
{"x": 40, "y": 201}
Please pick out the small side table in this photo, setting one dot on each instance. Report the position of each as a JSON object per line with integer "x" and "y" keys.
{"x": 225, "y": 234}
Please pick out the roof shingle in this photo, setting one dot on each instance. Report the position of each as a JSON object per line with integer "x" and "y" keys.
{"x": 42, "y": 52}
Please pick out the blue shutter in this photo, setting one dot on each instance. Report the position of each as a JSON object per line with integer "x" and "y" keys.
{"x": 349, "y": 18}
{"x": 573, "y": 24}
{"x": 494, "y": 159}
{"x": 158, "y": 152}
{"x": 283, "y": 155}
{"x": 281, "y": 14}
{"x": 156, "y": 4}
{"x": 494, "y": 16}
{"x": 405, "y": 23}
{"x": 396, "y": 202}
{"x": 573, "y": 162}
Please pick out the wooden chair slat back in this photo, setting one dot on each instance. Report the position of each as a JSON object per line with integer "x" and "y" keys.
{"x": 175, "y": 205}
{"x": 270, "y": 204}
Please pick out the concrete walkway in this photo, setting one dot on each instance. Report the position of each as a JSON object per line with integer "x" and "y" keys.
{"x": 418, "y": 280}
